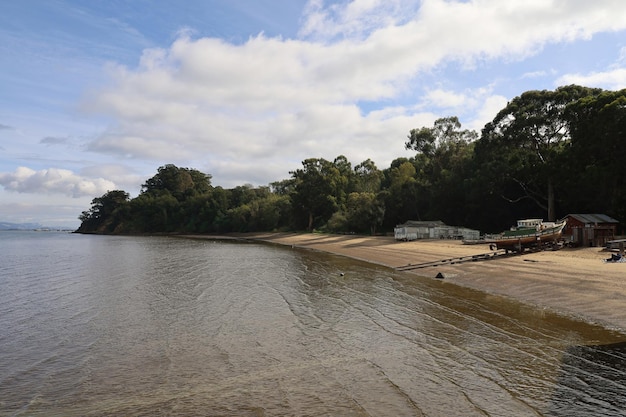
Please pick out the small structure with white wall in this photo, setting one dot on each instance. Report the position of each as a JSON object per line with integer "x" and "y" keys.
{"x": 434, "y": 229}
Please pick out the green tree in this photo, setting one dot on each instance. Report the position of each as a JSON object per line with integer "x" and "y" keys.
{"x": 273, "y": 212}
{"x": 317, "y": 191}
{"x": 105, "y": 214}
{"x": 266, "y": 212}
{"x": 525, "y": 145}
{"x": 444, "y": 154}
{"x": 283, "y": 187}
{"x": 441, "y": 139}
{"x": 596, "y": 173}
{"x": 364, "y": 212}
{"x": 346, "y": 179}
{"x": 368, "y": 177}
{"x": 181, "y": 183}
{"x": 218, "y": 205}
{"x": 401, "y": 192}
{"x": 155, "y": 214}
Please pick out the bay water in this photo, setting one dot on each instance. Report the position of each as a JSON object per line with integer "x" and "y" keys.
{"x": 165, "y": 326}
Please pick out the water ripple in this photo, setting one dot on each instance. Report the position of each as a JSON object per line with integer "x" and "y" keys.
{"x": 107, "y": 326}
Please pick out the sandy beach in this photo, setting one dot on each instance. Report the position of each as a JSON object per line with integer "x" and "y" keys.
{"x": 571, "y": 281}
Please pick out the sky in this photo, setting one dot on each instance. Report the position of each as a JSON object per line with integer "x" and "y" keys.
{"x": 97, "y": 95}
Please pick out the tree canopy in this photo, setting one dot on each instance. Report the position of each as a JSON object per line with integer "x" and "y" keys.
{"x": 526, "y": 145}
{"x": 546, "y": 154}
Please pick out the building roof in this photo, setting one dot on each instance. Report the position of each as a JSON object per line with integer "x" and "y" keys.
{"x": 593, "y": 218}
{"x": 420, "y": 223}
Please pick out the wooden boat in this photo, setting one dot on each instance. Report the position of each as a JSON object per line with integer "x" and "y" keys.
{"x": 529, "y": 233}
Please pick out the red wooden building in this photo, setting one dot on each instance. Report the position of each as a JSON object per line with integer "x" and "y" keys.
{"x": 589, "y": 229}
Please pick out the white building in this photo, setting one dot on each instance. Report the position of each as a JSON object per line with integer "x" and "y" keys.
{"x": 436, "y": 229}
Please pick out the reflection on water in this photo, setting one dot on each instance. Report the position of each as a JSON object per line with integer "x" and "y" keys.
{"x": 592, "y": 378}
{"x": 93, "y": 325}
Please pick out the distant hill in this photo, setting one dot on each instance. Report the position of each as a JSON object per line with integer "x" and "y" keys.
{"x": 19, "y": 226}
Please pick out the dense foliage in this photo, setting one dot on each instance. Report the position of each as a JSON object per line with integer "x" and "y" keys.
{"x": 546, "y": 154}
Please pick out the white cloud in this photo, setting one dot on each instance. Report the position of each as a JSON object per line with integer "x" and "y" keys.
{"x": 353, "y": 19}
{"x": 124, "y": 177}
{"x": 490, "y": 106}
{"x": 356, "y": 78}
{"x": 613, "y": 79}
{"x": 622, "y": 55}
{"x": 54, "y": 181}
{"x": 535, "y": 74}
{"x": 445, "y": 98}
{"x": 274, "y": 99}
{"x": 483, "y": 105}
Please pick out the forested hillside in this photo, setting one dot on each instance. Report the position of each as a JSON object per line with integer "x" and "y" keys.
{"x": 546, "y": 154}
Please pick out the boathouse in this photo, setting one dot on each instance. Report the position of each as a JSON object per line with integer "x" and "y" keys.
{"x": 433, "y": 229}
{"x": 589, "y": 229}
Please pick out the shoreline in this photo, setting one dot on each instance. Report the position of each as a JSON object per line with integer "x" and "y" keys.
{"x": 573, "y": 282}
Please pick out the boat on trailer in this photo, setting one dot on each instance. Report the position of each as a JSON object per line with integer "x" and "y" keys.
{"x": 529, "y": 233}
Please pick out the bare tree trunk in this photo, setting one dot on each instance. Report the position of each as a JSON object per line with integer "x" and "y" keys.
{"x": 310, "y": 228}
{"x": 551, "y": 208}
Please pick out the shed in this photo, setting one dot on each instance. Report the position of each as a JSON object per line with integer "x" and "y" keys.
{"x": 589, "y": 229}
{"x": 416, "y": 229}
{"x": 435, "y": 229}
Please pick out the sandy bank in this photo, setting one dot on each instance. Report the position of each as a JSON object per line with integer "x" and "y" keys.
{"x": 575, "y": 282}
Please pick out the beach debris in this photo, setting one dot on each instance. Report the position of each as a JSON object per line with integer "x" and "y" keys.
{"x": 616, "y": 258}
{"x": 440, "y": 275}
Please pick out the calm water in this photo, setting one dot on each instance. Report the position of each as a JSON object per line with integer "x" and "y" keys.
{"x": 116, "y": 326}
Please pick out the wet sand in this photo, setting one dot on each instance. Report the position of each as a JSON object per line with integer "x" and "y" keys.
{"x": 575, "y": 282}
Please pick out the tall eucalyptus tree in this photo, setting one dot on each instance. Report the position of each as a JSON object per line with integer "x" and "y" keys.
{"x": 522, "y": 150}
